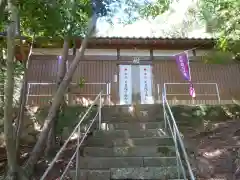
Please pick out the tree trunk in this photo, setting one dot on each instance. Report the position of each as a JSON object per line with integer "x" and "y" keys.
{"x": 2, "y": 78}
{"x": 23, "y": 96}
{"x": 51, "y": 142}
{"x": 3, "y": 4}
{"x": 57, "y": 99}
{"x": 1, "y": 88}
{"x": 8, "y": 91}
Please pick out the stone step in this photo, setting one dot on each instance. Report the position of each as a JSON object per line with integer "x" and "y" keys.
{"x": 134, "y": 133}
{"x": 91, "y": 174}
{"x": 128, "y": 151}
{"x": 153, "y": 173}
{"x": 132, "y": 125}
{"x": 123, "y": 118}
{"x": 124, "y": 162}
{"x": 106, "y": 174}
{"x": 150, "y": 108}
{"x": 112, "y": 142}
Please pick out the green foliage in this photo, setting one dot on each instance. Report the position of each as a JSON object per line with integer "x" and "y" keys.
{"x": 69, "y": 117}
{"x": 204, "y": 115}
{"x": 57, "y": 18}
{"x": 61, "y": 18}
{"x": 217, "y": 57}
{"x": 18, "y": 72}
{"x": 132, "y": 10}
{"x": 52, "y": 19}
{"x": 81, "y": 82}
{"x": 223, "y": 19}
{"x": 153, "y": 9}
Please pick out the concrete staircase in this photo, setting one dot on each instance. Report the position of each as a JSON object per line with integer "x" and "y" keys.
{"x": 129, "y": 147}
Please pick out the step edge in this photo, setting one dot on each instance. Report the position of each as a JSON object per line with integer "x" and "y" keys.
{"x": 141, "y": 146}
{"x": 128, "y": 157}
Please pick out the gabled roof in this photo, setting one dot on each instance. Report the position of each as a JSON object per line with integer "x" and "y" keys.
{"x": 149, "y": 42}
{"x": 199, "y": 37}
{"x": 114, "y": 42}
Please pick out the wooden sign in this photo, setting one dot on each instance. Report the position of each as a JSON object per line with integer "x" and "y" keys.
{"x": 136, "y": 60}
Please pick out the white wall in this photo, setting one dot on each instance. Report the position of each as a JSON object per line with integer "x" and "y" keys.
{"x": 134, "y": 52}
{"x": 45, "y": 51}
{"x": 101, "y": 52}
{"x": 175, "y": 52}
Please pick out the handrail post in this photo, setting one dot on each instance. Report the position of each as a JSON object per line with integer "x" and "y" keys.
{"x": 176, "y": 148}
{"x": 77, "y": 175}
{"x": 28, "y": 88}
{"x": 218, "y": 96}
{"x": 164, "y": 111}
{"x": 158, "y": 92}
{"x": 100, "y": 112}
{"x": 109, "y": 94}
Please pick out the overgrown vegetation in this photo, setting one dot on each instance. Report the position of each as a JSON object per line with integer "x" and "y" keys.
{"x": 223, "y": 19}
{"x": 211, "y": 136}
{"x": 220, "y": 17}
{"x": 204, "y": 117}
{"x": 67, "y": 119}
{"x": 18, "y": 73}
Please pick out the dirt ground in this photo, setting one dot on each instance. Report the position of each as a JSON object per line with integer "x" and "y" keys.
{"x": 42, "y": 164}
{"x": 216, "y": 152}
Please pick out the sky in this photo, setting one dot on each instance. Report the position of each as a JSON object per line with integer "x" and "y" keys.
{"x": 149, "y": 28}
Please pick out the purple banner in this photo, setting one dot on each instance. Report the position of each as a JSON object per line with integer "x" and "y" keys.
{"x": 183, "y": 65}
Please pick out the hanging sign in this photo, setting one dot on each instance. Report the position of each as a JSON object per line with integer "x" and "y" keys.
{"x": 146, "y": 84}
{"x": 183, "y": 65}
{"x": 125, "y": 84}
{"x": 136, "y": 60}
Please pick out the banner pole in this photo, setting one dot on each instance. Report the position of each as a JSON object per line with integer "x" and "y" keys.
{"x": 190, "y": 75}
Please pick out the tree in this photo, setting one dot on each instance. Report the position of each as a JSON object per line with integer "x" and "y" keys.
{"x": 223, "y": 20}
{"x": 23, "y": 94}
{"x": 58, "y": 97}
{"x": 154, "y": 8}
{"x": 3, "y": 4}
{"x": 2, "y": 73}
{"x": 70, "y": 19}
{"x": 8, "y": 92}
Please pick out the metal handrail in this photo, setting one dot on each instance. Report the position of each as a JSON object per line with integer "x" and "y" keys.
{"x": 80, "y": 140}
{"x": 177, "y": 138}
{"x": 215, "y": 84}
{"x": 106, "y": 94}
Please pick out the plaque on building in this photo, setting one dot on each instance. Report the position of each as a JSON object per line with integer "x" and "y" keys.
{"x": 125, "y": 84}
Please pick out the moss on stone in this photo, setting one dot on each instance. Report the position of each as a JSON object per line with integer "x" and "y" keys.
{"x": 165, "y": 150}
{"x": 195, "y": 116}
{"x": 69, "y": 117}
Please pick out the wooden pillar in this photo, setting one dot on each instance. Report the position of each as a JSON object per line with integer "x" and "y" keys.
{"x": 115, "y": 85}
